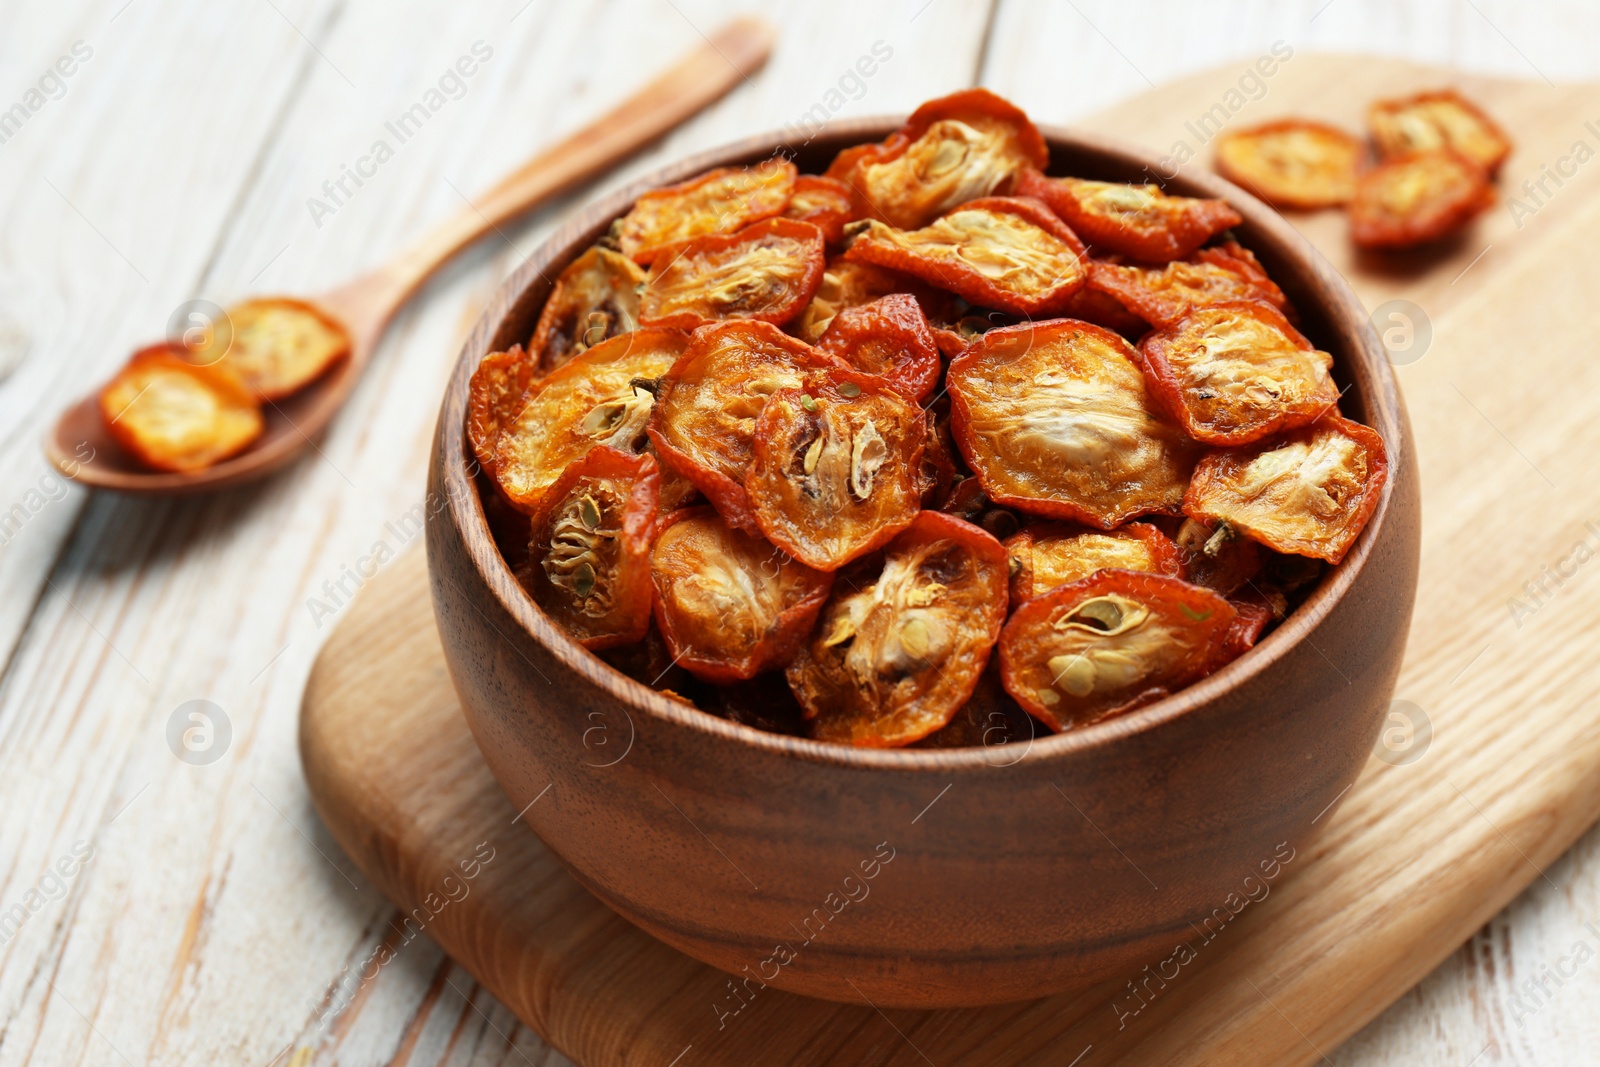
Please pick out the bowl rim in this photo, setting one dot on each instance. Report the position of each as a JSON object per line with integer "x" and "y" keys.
{"x": 1364, "y": 362}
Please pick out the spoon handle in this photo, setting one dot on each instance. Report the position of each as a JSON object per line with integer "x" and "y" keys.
{"x": 727, "y": 57}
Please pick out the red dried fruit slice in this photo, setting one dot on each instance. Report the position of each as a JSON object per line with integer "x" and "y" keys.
{"x": 595, "y": 298}
{"x": 1440, "y": 119}
{"x": 1292, "y": 163}
{"x": 905, "y": 636}
{"x": 589, "y": 548}
{"x": 1160, "y": 296}
{"x": 847, "y": 284}
{"x": 1416, "y": 198}
{"x": 889, "y": 337}
{"x": 1307, "y": 493}
{"x": 1139, "y": 221}
{"x": 496, "y": 393}
{"x": 280, "y": 346}
{"x": 1048, "y": 555}
{"x": 767, "y": 272}
{"x": 719, "y": 201}
{"x": 1217, "y": 556}
{"x": 172, "y": 415}
{"x": 1110, "y": 643}
{"x": 730, "y": 605}
{"x": 823, "y": 202}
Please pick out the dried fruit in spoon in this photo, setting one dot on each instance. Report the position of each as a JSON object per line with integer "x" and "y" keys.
{"x": 1309, "y": 492}
{"x": 905, "y": 636}
{"x": 174, "y": 416}
{"x": 837, "y": 468}
{"x": 1162, "y": 295}
{"x": 889, "y": 337}
{"x": 1440, "y": 119}
{"x": 1292, "y": 163}
{"x": 280, "y": 346}
{"x": 1139, "y": 221}
{"x": 595, "y": 298}
{"x": 730, "y": 605}
{"x": 1110, "y": 643}
{"x": 703, "y": 425}
{"x": 589, "y": 548}
{"x": 823, "y": 202}
{"x": 1007, "y": 253}
{"x": 767, "y": 272}
{"x": 718, "y": 201}
{"x": 1055, "y": 419}
{"x": 1233, "y": 373}
{"x": 602, "y": 397}
{"x": 1048, "y": 555}
{"x": 952, "y": 150}
{"x": 1416, "y": 198}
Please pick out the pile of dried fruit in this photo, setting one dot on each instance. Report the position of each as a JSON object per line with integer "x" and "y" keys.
{"x": 806, "y": 451}
{"x": 1437, "y": 155}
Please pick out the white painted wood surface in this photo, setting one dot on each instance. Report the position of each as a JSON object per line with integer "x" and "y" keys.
{"x": 214, "y": 917}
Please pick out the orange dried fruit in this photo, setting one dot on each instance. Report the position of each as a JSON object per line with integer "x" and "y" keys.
{"x": 1292, "y": 163}
{"x": 172, "y": 415}
{"x": 719, "y": 201}
{"x": 1140, "y": 221}
{"x": 1160, "y": 296}
{"x": 1416, "y": 198}
{"x": 847, "y": 284}
{"x": 730, "y": 605}
{"x": 904, "y": 637}
{"x": 766, "y": 272}
{"x": 280, "y": 346}
{"x": 1217, "y": 556}
{"x": 888, "y": 337}
{"x": 1440, "y": 119}
{"x": 823, "y": 202}
{"x": 595, "y": 298}
{"x": 495, "y": 394}
{"x": 1048, "y": 555}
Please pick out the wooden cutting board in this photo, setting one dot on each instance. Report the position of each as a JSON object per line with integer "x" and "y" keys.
{"x": 1493, "y": 768}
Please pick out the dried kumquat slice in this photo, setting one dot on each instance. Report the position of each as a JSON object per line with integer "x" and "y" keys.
{"x": 280, "y": 346}
{"x": 1440, "y": 119}
{"x": 1160, "y": 296}
{"x": 703, "y": 425}
{"x": 1216, "y": 556}
{"x": 837, "y": 468}
{"x": 172, "y": 415}
{"x": 1048, "y": 555}
{"x": 823, "y": 202}
{"x": 595, "y": 298}
{"x": 1008, "y": 253}
{"x": 889, "y": 337}
{"x": 599, "y": 398}
{"x": 1233, "y": 373}
{"x": 1110, "y": 643}
{"x": 1292, "y": 163}
{"x": 495, "y": 395}
{"x": 952, "y": 150}
{"x": 847, "y": 284}
{"x": 1412, "y": 199}
{"x": 904, "y": 637}
{"x": 589, "y": 547}
{"x": 719, "y": 201}
{"x": 767, "y": 272}
{"x": 730, "y": 605}
{"x": 989, "y": 719}
{"x": 1253, "y": 612}
{"x": 1055, "y": 419}
{"x": 1308, "y": 493}
{"x": 1139, "y": 221}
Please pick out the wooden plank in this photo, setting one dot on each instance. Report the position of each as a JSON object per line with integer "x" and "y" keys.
{"x": 1421, "y": 854}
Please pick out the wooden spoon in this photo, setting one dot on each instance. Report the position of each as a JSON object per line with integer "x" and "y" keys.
{"x": 79, "y": 444}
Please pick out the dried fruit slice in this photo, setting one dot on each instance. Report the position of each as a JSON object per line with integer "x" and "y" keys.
{"x": 589, "y": 549}
{"x": 847, "y": 284}
{"x": 837, "y": 468}
{"x": 1049, "y": 555}
{"x": 599, "y": 398}
{"x": 1133, "y": 220}
{"x": 171, "y": 415}
{"x": 1252, "y": 614}
{"x": 1440, "y": 119}
{"x": 703, "y": 425}
{"x": 1055, "y": 419}
{"x": 280, "y": 346}
{"x": 495, "y": 394}
{"x": 889, "y": 337}
{"x": 596, "y": 297}
{"x": 1233, "y": 373}
{"x": 954, "y": 149}
{"x": 730, "y": 605}
{"x": 989, "y": 719}
{"x": 1109, "y": 643}
{"x": 767, "y": 272}
{"x": 1217, "y": 556}
{"x": 1292, "y": 163}
{"x": 1160, "y": 296}
{"x": 1412, "y": 199}
{"x": 1307, "y": 493}
{"x": 823, "y": 202}
{"x": 718, "y": 201}
{"x": 1008, "y": 253}
{"x": 904, "y": 637}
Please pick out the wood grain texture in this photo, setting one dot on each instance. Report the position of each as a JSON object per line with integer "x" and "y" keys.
{"x": 1420, "y": 856}
{"x": 207, "y": 929}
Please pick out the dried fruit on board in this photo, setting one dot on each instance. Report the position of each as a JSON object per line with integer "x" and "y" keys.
{"x": 1440, "y": 119}
{"x": 1416, "y": 198}
{"x": 1292, "y": 163}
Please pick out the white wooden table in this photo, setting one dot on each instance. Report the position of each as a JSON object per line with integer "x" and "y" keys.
{"x": 182, "y": 913}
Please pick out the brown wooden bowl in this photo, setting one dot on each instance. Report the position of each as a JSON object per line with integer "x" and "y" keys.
{"x": 1016, "y": 871}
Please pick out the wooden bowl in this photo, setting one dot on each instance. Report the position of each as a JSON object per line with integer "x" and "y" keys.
{"x": 933, "y": 878}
